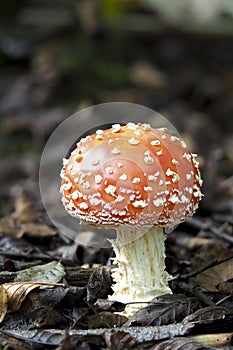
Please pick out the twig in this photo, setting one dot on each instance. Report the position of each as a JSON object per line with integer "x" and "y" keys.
{"x": 218, "y": 232}
{"x": 27, "y": 256}
{"x": 201, "y": 269}
{"x": 141, "y": 334}
{"x": 223, "y": 299}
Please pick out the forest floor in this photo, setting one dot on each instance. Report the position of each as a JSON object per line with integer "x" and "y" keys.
{"x": 54, "y": 291}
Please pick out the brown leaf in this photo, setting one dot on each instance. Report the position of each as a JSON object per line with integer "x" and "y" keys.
{"x": 109, "y": 305}
{"x": 180, "y": 344}
{"x": 24, "y": 210}
{"x": 24, "y": 220}
{"x": 17, "y": 344}
{"x": 219, "y": 339}
{"x": 50, "y": 319}
{"x": 51, "y": 297}
{"x": 163, "y": 310}
{"x": 35, "y": 337}
{"x": 3, "y": 303}
{"x": 209, "y": 279}
{"x": 210, "y": 252}
{"x": 119, "y": 340}
{"x": 99, "y": 284}
{"x": 18, "y": 249}
{"x": 35, "y": 230}
{"x": 7, "y": 226}
{"x": 207, "y": 314}
{"x": 10, "y": 227}
{"x": 226, "y": 288}
{"x": 17, "y": 292}
{"x": 105, "y": 319}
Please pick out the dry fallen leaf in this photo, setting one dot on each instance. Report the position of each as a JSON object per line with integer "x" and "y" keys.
{"x": 180, "y": 344}
{"x": 18, "y": 291}
{"x": 220, "y": 339}
{"x": 209, "y": 253}
{"x": 24, "y": 210}
{"x": 7, "y": 226}
{"x": 3, "y": 303}
{"x": 35, "y": 230}
{"x": 165, "y": 309}
{"x": 209, "y": 279}
{"x": 13, "y": 294}
{"x": 105, "y": 319}
{"x": 207, "y": 314}
{"x": 119, "y": 340}
{"x": 24, "y": 220}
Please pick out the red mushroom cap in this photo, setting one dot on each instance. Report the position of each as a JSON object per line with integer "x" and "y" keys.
{"x": 133, "y": 175}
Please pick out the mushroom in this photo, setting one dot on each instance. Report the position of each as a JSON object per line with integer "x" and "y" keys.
{"x": 137, "y": 180}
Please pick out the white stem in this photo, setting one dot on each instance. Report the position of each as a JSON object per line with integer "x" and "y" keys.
{"x": 140, "y": 275}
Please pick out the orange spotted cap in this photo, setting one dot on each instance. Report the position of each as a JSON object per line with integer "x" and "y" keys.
{"x": 131, "y": 175}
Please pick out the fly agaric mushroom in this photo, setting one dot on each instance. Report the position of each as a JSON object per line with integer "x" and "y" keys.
{"x": 137, "y": 180}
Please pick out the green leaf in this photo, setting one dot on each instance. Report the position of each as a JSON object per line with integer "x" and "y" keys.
{"x": 51, "y": 272}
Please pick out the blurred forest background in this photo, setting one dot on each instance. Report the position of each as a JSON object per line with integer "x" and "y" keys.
{"x": 57, "y": 57}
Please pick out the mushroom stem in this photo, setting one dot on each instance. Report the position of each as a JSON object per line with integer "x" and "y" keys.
{"x": 140, "y": 275}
